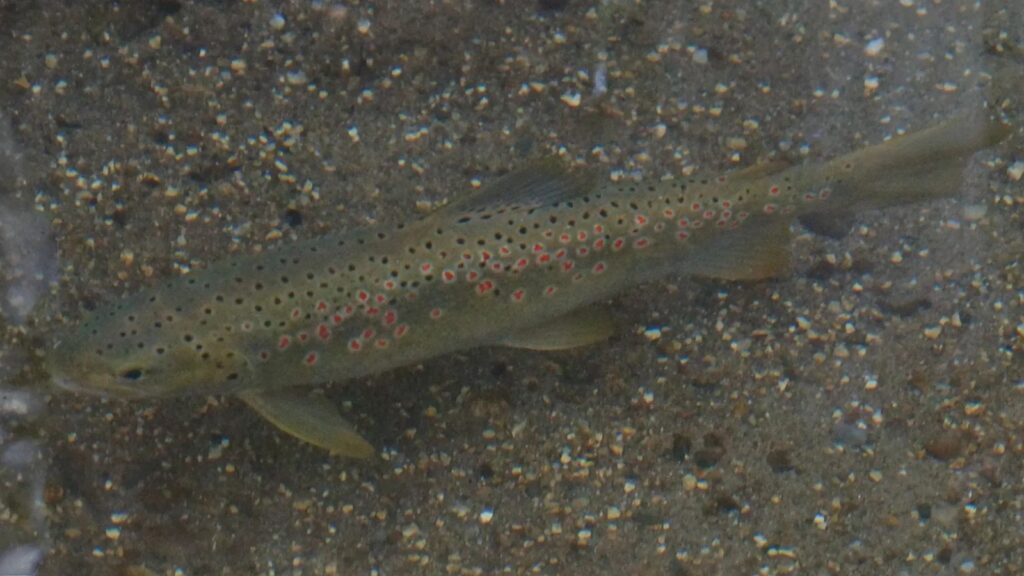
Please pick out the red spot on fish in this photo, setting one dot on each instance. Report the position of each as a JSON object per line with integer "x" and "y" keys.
{"x": 565, "y": 238}
{"x": 550, "y": 290}
{"x": 618, "y": 244}
{"x": 568, "y": 265}
{"x": 726, "y": 204}
{"x": 770, "y": 208}
{"x": 363, "y": 295}
{"x": 582, "y": 251}
{"x": 303, "y": 336}
{"x": 544, "y": 258}
{"x": 401, "y": 330}
{"x": 354, "y": 345}
{"x": 284, "y": 342}
{"x": 695, "y": 206}
{"x": 581, "y": 235}
{"x": 472, "y": 276}
{"x": 448, "y": 276}
{"x": 337, "y": 319}
{"x": 599, "y": 268}
{"x": 504, "y": 251}
{"x": 484, "y": 287}
{"x": 599, "y": 244}
{"x": 296, "y": 313}
{"x": 683, "y": 235}
{"x": 641, "y": 243}
{"x": 389, "y": 284}
{"x": 311, "y": 358}
{"x": 722, "y": 223}
{"x": 774, "y": 190}
{"x": 683, "y": 222}
{"x": 369, "y": 333}
{"x": 485, "y": 255}
{"x": 323, "y": 332}
{"x": 709, "y": 214}
{"x": 538, "y": 248}
{"x": 522, "y": 263}
{"x": 382, "y": 343}
{"x": 380, "y": 298}
{"x": 436, "y": 313}
{"x": 640, "y": 220}
{"x": 598, "y": 229}
{"x": 347, "y": 310}
{"x": 497, "y": 267}
{"x": 321, "y": 306}
{"x": 726, "y": 214}
{"x": 518, "y": 294}
{"x": 668, "y": 213}
{"x": 371, "y": 311}
{"x": 697, "y": 224}
{"x": 390, "y": 317}
{"x": 560, "y": 254}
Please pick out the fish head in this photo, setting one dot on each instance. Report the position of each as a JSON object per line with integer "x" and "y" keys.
{"x": 130, "y": 352}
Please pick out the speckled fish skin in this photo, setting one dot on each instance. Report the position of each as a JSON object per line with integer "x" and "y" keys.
{"x": 534, "y": 248}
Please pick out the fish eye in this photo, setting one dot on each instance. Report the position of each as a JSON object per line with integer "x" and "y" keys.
{"x": 131, "y": 374}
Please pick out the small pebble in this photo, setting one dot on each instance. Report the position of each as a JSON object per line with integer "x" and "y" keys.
{"x": 874, "y": 47}
{"x": 849, "y": 434}
{"x": 486, "y": 515}
{"x": 946, "y": 446}
{"x": 1016, "y": 170}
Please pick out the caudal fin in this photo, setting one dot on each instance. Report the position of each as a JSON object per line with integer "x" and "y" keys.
{"x": 919, "y": 166}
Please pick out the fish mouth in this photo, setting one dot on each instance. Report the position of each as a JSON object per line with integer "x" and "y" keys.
{"x": 105, "y": 390}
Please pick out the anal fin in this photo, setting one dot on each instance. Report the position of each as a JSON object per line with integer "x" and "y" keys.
{"x": 577, "y": 328}
{"x": 751, "y": 252}
{"x": 829, "y": 225}
{"x": 309, "y": 418}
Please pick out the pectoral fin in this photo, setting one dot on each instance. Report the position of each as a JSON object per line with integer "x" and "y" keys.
{"x": 309, "y": 418}
{"x": 578, "y": 328}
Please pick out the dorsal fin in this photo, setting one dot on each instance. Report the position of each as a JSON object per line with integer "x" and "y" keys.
{"x": 761, "y": 170}
{"x": 539, "y": 182}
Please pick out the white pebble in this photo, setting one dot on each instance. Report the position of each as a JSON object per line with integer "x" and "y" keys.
{"x": 486, "y": 515}
{"x": 874, "y": 47}
{"x": 1016, "y": 170}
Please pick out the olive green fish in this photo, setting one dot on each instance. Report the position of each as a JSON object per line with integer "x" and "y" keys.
{"x": 516, "y": 264}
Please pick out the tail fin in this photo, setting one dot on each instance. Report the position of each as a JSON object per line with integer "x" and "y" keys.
{"x": 919, "y": 166}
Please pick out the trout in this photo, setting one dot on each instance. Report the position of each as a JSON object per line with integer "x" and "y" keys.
{"x": 520, "y": 263}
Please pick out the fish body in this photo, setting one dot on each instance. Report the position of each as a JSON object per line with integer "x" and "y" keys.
{"x": 516, "y": 264}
